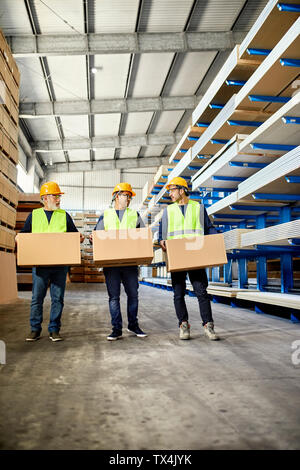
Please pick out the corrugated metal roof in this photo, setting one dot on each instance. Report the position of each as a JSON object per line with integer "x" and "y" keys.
{"x": 56, "y": 16}
{"x": 104, "y": 154}
{"x": 79, "y": 155}
{"x": 186, "y": 83}
{"x": 107, "y": 124}
{"x": 129, "y": 152}
{"x": 153, "y": 150}
{"x": 13, "y": 18}
{"x": 151, "y": 74}
{"x": 68, "y": 75}
{"x": 167, "y": 121}
{"x": 115, "y": 16}
{"x": 215, "y": 15}
{"x": 75, "y": 126}
{"x": 249, "y": 14}
{"x": 165, "y": 16}
{"x": 137, "y": 123}
{"x": 110, "y": 79}
{"x": 43, "y": 129}
{"x": 33, "y": 86}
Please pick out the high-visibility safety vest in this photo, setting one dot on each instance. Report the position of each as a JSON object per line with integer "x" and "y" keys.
{"x": 112, "y": 221}
{"x": 40, "y": 224}
{"x": 180, "y": 226}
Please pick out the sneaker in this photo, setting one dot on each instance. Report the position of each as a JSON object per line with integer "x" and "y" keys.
{"x": 115, "y": 334}
{"x": 184, "y": 330}
{"x": 55, "y": 336}
{"x": 33, "y": 336}
{"x": 137, "y": 331}
{"x": 210, "y": 332}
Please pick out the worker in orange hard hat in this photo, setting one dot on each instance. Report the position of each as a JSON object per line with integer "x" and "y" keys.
{"x": 186, "y": 218}
{"x": 120, "y": 216}
{"x": 50, "y": 218}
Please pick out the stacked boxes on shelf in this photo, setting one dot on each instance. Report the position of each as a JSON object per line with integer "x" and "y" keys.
{"x": 9, "y": 104}
{"x": 92, "y": 273}
{"x": 26, "y": 203}
{"x": 87, "y": 272}
{"x": 76, "y": 273}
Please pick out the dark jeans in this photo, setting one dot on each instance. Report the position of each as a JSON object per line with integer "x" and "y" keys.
{"x": 199, "y": 282}
{"x": 128, "y": 275}
{"x": 41, "y": 276}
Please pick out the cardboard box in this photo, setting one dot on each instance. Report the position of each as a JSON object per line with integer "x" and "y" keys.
{"x": 196, "y": 252}
{"x": 48, "y": 249}
{"x": 8, "y": 278}
{"x": 122, "y": 247}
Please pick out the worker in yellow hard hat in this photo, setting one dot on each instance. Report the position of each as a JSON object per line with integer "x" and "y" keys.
{"x": 186, "y": 218}
{"x": 120, "y": 216}
{"x": 50, "y": 218}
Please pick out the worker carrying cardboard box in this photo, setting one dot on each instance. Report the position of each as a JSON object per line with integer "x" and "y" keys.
{"x": 182, "y": 219}
{"x": 114, "y": 218}
{"x": 49, "y": 218}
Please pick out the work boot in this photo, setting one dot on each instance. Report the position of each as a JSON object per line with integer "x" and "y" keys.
{"x": 33, "y": 336}
{"x": 184, "y": 330}
{"x": 209, "y": 331}
{"x": 55, "y": 336}
{"x": 115, "y": 334}
{"x": 137, "y": 331}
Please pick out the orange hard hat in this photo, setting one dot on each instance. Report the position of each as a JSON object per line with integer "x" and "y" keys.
{"x": 50, "y": 188}
{"x": 123, "y": 187}
{"x": 178, "y": 181}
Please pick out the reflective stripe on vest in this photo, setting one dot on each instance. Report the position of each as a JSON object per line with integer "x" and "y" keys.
{"x": 40, "y": 224}
{"x": 112, "y": 221}
{"x": 180, "y": 226}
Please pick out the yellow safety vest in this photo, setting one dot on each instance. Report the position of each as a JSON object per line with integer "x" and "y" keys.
{"x": 180, "y": 226}
{"x": 40, "y": 224}
{"x": 112, "y": 221}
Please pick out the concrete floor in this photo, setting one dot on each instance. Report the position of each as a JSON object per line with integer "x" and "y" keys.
{"x": 242, "y": 392}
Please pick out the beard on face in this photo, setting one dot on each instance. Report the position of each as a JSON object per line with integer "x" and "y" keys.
{"x": 52, "y": 205}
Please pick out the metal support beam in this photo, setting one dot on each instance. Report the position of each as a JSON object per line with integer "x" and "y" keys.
{"x": 129, "y": 43}
{"x": 106, "y": 142}
{"x": 129, "y": 105}
{"x": 122, "y": 163}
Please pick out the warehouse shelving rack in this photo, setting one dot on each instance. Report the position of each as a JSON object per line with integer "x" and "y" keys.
{"x": 248, "y": 151}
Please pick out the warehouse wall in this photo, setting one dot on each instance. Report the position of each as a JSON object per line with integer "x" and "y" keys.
{"x": 91, "y": 190}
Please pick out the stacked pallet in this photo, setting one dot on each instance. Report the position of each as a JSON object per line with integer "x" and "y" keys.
{"x": 87, "y": 272}
{"x": 9, "y": 103}
{"x": 26, "y": 203}
{"x": 76, "y": 273}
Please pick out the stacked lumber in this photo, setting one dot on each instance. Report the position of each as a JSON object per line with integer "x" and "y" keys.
{"x": 232, "y": 238}
{"x": 272, "y": 298}
{"x": 277, "y": 234}
{"x": 27, "y": 202}
{"x": 9, "y": 118}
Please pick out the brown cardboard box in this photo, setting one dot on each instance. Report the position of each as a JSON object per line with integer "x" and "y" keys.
{"x": 48, "y": 249}
{"x": 122, "y": 247}
{"x": 197, "y": 252}
{"x": 8, "y": 278}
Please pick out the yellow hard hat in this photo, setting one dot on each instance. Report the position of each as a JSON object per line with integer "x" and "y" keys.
{"x": 50, "y": 188}
{"x": 178, "y": 181}
{"x": 123, "y": 187}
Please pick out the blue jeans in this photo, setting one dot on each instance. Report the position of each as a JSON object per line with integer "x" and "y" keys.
{"x": 128, "y": 275}
{"x": 41, "y": 276}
